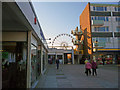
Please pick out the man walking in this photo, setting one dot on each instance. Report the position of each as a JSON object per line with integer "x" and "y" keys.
{"x": 103, "y": 60}
{"x": 94, "y": 67}
{"x": 57, "y": 62}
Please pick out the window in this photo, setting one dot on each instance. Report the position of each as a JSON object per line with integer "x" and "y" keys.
{"x": 118, "y": 29}
{"x": 95, "y": 28}
{"x": 117, "y": 8}
{"x": 101, "y": 18}
{"x": 107, "y": 19}
{"x": 107, "y": 29}
{"x": 102, "y": 39}
{"x": 105, "y": 8}
{"x": 93, "y": 39}
{"x": 108, "y": 40}
{"x": 100, "y": 8}
{"x": 92, "y": 18}
{"x": 95, "y": 18}
{"x": 101, "y": 29}
{"x": 94, "y": 8}
{"x": 117, "y": 19}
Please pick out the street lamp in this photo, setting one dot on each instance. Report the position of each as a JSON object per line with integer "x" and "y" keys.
{"x": 95, "y": 46}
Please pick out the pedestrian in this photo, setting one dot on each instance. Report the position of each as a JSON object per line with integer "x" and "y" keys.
{"x": 88, "y": 67}
{"x": 57, "y": 63}
{"x": 94, "y": 67}
{"x": 86, "y": 61}
{"x": 103, "y": 60}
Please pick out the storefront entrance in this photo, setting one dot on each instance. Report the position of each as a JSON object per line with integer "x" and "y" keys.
{"x": 67, "y": 58}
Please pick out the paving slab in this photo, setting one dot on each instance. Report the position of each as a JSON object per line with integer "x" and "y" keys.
{"x": 73, "y": 76}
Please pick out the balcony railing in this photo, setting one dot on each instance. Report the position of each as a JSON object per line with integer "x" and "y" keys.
{"x": 74, "y": 32}
{"x": 97, "y": 22}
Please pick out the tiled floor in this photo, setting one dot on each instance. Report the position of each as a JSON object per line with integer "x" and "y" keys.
{"x": 73, "y": 76}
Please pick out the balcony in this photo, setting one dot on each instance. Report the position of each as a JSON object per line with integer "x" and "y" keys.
{"x": 74, "y": 32}
{"x": 77, "y": 42}
{"x": 77, "y": 52}
{"x": 97, "y": 22}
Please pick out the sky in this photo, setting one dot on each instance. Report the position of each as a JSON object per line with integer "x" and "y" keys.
{"x": 58, "y": 17}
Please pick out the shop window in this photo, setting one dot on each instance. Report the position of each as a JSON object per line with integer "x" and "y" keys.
{"x": 14, "y": 64}
{"x": 33, "y": 63}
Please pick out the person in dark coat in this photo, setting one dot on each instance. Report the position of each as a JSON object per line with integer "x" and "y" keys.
{"x": 94, "y": 67}
{"x": 103, "y": 60}
{"x": 57, "y": 63}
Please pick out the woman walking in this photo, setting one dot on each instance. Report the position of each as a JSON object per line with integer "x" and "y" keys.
{"x": 94, "y": 67}
{"x": 88, "y": 67}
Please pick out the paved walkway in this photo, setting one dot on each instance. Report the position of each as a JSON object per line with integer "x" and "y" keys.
{"x": 73, "y": 76}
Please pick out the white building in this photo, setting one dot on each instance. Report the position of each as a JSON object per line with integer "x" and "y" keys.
{"x": 105, "y": 29}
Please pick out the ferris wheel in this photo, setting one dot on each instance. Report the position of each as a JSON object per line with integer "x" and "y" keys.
{"x": 63, "y": 41}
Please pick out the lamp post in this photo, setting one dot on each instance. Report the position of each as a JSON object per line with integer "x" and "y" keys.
{"x": 95, "y": 47}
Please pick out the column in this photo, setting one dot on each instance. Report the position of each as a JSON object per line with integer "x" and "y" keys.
{"x": 0, "y": 45}
{"x": 63, "y": 58}
{"x": 41, "y": 59}
{"x": 78, "y": 59}
{"x": 55, "y": 56}
{"x": 73, "y": 56}
{"x": 29, "y": 60}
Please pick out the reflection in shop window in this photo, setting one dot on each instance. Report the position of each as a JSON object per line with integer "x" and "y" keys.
{"x": 33, "y": 63}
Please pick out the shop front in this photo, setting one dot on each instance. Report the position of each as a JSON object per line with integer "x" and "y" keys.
{"x": 14, "y": 58}
{"x": 35, "y": 60}
{"x": 107, "y": 57}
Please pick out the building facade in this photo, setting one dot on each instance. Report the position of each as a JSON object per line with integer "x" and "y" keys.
{"x": 24, "y": 52}
{"x": 101, "y": 23}
{"x": 65, "y": 56}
